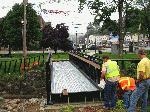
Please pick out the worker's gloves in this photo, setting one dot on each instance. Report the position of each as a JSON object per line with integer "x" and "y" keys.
{"x": 102, "y": 84}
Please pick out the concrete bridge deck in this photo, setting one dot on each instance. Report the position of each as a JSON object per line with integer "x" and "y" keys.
{"x": 66, "y": 76}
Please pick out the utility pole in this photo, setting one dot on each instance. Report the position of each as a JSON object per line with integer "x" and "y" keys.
{"x": 76, "y": 27}
{"x": 24, "y": 30}
{"x": 76, "y": 36}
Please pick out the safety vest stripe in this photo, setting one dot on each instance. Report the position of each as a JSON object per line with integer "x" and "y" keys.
{"x": 122, "y": 80}
{"x": 128, "y": 82}
{"x": 124, "y": 87}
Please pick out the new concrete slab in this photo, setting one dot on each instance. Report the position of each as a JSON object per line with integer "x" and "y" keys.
{"x": 67, "y": 76}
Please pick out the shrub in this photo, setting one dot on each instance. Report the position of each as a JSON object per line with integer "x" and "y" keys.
{"x": 68, "y": 108}
{"x": 131, "y": 70}
{"x": 120, "y": 107}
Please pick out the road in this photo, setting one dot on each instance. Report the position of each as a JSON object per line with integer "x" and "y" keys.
{"x": 29, "y": 52}
{"x": 89, "y": 52}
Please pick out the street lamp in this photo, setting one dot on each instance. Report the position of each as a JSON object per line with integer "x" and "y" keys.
{"x": 76, "y": 26}
{"x": 76, "y": 37}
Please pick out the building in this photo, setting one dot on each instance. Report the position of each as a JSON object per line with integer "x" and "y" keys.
{"x": 100, "y": 39}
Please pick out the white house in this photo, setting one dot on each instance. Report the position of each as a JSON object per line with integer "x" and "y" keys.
{"x": 100, "y": 39}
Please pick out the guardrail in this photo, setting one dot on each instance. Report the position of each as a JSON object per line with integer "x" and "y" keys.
{"x": 88, "y": 65}
{"x": 82, "y": 60}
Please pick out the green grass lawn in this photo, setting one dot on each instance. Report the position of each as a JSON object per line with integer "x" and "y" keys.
{"x": 60, "y": 56}
{"x": 125, "y": 56}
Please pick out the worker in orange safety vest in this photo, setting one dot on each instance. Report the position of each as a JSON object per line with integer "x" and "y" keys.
{"x": 127, "y": 84}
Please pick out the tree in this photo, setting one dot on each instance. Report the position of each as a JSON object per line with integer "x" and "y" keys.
{"x": 13, "y": 27}
{"x": 145, "y": 16}
{"x": 104, "y": 10}
{"x": 133, "y": 20}
{"x": 56, "y": 38}
{"x": 2, "y": 39}
{"x": 109, "y": 26}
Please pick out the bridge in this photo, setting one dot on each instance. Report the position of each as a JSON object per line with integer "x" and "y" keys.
{"x": 75, "y": 80}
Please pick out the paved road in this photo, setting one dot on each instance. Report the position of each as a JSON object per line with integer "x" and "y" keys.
{"x": 29, "y": 52}
{"x": 90, "y": 52}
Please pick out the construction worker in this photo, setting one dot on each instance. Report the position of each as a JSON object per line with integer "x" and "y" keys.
{"x": 110, "y": 72}
{"x": 143, "y": 83}
{"x": 127, "y": 84}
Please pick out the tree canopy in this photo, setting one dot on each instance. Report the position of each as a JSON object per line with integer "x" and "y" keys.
{"x": 56, "y": 38}
{"x": 12, "y": 27}
{"x": 134, "y": 16}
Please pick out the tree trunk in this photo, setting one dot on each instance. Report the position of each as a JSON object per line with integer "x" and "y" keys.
{"x": 55, "y": 49}
{"x": 9, "y": 51}
{"x": 121, "y": 38}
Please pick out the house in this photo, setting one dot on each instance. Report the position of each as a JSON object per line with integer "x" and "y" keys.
{"x": 100, "y": 39}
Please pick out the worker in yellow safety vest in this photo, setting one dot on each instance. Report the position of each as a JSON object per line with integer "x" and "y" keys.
{"x": 127, "y": 84}
{"x": 111, "y": 74}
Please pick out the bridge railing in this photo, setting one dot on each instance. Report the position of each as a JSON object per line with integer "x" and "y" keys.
{"x": 88, "y": 65}
{"x": 127, "y": 66}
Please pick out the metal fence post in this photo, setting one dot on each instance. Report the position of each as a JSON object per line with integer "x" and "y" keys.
{"x": 5, "y": 67}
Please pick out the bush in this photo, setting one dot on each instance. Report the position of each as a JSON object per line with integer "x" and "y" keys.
{"x": 131, "y": 70}
{"x": 120, "y": 107}
{"x": 68, "y": 108}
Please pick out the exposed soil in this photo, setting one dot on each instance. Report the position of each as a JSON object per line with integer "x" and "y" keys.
{"x": 23, "y": 95}
{"x": 37, "y": 105}
{"x": 32, "y": 85}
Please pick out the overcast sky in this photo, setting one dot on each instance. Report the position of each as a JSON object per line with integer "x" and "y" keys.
{"x": 71, "y": 17}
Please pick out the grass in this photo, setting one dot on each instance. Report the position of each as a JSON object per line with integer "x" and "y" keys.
{"x": 60, "y": 56}
{"x": 125, "y": 56}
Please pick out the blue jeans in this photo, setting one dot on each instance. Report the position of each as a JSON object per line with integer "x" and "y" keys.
{"x": 140, "y": 91}
{"x": 110, "y": 94}
{"x": 126, "y": 98}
